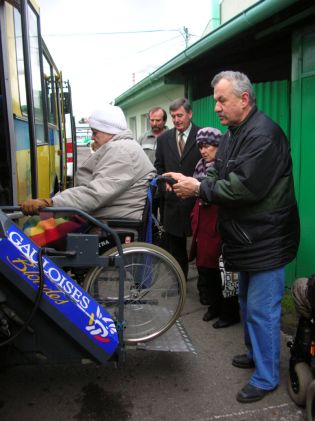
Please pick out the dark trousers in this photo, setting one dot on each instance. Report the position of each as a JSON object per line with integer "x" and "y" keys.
{"x": 177, "y": 247}
{"x": 210, "y": 285}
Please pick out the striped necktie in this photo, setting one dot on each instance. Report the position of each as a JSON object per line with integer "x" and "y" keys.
{"x": 181, "y": 143}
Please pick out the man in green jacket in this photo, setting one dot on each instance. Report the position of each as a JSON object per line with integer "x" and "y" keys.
{"x": 252, "y": 183}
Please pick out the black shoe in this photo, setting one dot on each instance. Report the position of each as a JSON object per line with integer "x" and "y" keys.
{"x": 219, "y": 324}
{"x": 242, "y": 361}
{"x": 209, "y": 315}
{"x": 250, "y": 394}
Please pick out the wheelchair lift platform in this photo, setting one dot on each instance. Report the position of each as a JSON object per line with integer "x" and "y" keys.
{"x": 175, "y": 339}
{"x": 70, "y": 324}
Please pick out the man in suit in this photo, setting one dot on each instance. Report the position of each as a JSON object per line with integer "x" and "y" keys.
{"x": 177, "y": 151}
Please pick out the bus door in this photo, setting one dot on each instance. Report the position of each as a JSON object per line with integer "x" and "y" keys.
{"x": 54, "y": 131}
{"x": 8, "y": 192}
{"x": 42, "y": 144}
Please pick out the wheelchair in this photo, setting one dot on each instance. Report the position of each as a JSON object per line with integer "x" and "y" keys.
{"x": 154, "y": 283}
{"x": 301, "y": 382}
{"x": 154, "y": 286}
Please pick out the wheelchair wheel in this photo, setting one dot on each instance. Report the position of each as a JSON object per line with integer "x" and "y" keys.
{"x": 154, "y": 290}
{"x": 310, "y": 402}
{"x": 298, "y": 382}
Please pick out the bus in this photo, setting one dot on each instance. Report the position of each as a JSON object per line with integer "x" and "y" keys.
{"x": 37, "y": 136}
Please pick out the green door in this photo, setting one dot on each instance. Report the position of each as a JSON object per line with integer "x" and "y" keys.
{"x": 303, "y": 143}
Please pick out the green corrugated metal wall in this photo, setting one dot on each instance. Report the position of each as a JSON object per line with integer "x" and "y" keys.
{"x": 204, "y": 115}
{"x": 303, "y": 143}
{"x": 273, "y": 98}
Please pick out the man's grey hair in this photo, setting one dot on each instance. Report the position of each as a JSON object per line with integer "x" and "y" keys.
{"x": 180, "y": 102}
{"x": 240, "y": 83}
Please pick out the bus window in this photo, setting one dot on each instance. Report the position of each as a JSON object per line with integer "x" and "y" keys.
{"x": 35, "y": 64}
{"x": 20, "y": 61}
{"x": 50, "y": 91}
{"x": 36, "y": 76}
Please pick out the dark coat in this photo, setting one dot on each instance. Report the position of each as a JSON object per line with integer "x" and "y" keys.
{"x": 206, "y": 242}
{"x": 252, "y": 183}
{"x": 177, "y": 211}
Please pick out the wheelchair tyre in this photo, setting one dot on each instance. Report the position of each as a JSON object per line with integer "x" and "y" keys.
{"x": 298, "y": 382}
{"x": 310, "y": 402}
{"x": 154, "y": 290}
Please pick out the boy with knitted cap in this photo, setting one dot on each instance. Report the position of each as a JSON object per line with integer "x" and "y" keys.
{"x": 113, "y": 181}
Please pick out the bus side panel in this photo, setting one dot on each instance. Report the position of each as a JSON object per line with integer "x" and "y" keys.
{"x": 55, "y": 168}
{"x": 47, "y": 158}
{"x": 23, "y": 160}
{"x": 43, "y": 170}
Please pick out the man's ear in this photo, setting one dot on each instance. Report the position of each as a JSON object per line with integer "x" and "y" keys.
{"x": 245, "y": 99}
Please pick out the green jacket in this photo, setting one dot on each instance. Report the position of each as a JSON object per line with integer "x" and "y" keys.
{"x": 252, "y": 183}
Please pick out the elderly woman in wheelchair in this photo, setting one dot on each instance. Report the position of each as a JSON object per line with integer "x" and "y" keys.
{"x": 112, "y": 186}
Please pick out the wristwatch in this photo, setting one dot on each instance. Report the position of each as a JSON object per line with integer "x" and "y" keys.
{"x": 197, "y": 189}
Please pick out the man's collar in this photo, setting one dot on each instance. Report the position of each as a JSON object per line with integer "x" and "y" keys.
{"x": 186, "y": 132}
{"x": 249, "y": 115}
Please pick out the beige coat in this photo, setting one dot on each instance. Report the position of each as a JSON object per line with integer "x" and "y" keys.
{"x": 112, "y": 182}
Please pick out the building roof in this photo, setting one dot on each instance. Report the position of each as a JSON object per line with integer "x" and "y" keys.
{"x": 161, "y": 78}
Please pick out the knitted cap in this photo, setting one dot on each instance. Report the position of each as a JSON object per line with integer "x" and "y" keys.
{"x": 109, "y": 120}
{"x": 209, "y": 135}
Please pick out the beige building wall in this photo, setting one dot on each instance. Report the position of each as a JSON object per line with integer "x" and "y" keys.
{"x": 231, "y": 8}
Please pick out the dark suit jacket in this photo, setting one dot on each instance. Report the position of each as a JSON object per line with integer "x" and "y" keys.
{"x": 177, "y": 211}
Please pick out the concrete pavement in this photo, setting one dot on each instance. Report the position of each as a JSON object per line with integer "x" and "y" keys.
{"x": 150, "y": 385}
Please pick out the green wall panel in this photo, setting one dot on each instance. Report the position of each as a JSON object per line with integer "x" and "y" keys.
{"x": 273, "y": 98}
{"x": 204, "y": 115}
{"x": 303, "y": 144}
{"x": 306, "y": 256}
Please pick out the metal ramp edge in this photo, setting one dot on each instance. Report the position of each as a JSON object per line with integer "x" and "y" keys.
{"x": 176, "y": 339}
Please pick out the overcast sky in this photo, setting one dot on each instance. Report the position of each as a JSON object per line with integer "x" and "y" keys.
{"x": 88, "y": 42}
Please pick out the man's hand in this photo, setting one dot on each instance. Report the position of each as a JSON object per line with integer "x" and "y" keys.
{"x": 33, "y": 206}
{"x": 176, "y": 175}
{"x": 186, "y": 187}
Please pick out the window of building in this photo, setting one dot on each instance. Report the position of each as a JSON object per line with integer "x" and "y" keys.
{"x": 145, "y": 125}
{"x": 133, "y": 126}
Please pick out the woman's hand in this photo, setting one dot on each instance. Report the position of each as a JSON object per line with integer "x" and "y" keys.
{"x": 33, "y": 206}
